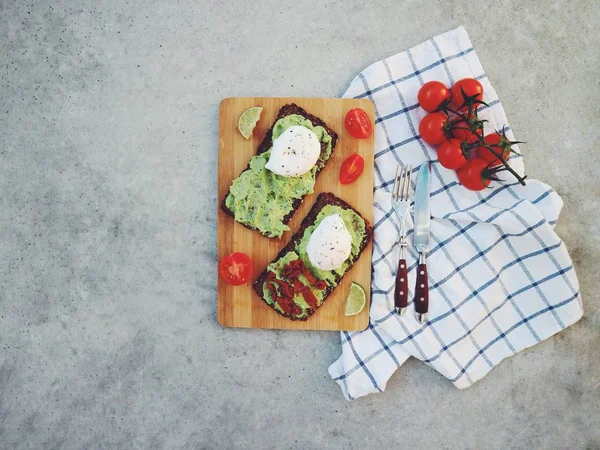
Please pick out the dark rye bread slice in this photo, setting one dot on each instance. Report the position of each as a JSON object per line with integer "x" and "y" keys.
{"x": 267, "y": 143}
{"x": 324, "y": 199}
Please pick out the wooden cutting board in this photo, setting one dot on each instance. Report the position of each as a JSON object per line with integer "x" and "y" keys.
{"x": 240, "y": 306}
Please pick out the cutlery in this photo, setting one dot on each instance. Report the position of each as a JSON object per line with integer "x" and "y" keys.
{"x": 421, "y": 240}
{"x": 401, "y": 193}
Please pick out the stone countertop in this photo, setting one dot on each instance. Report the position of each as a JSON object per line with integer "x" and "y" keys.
{"x": 107, "y": 213}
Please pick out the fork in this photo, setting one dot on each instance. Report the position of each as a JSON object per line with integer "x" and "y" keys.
{"x": 401, "y": 193}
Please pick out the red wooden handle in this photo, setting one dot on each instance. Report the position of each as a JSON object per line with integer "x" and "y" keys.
{"x": 422, "y": 290}
{"x": 401, "y": 291}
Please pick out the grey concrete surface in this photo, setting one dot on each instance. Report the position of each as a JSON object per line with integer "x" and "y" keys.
{"x": 107, "y": 226}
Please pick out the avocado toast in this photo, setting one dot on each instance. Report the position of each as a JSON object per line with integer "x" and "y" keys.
{"x": 265, "y": 201}
{"x": 291, "y": 284}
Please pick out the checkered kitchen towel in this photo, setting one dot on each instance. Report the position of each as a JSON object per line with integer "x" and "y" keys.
{"x": 500, "y": 279}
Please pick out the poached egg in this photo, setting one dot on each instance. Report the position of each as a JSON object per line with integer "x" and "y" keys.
{"x": 330, "y": 243}
{"x": 294, "y": 152}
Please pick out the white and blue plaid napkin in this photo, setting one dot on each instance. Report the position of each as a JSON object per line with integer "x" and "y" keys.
{"x": 500, "y": 278}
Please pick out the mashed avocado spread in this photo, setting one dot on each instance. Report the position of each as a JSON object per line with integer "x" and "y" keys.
{"x": 261, "y": 199}
{"x": 354, "y": 224}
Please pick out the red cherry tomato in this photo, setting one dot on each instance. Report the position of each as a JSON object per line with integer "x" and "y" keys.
{"x": 351, "y": 168}
{"x": 471, "y": 175}
{"x": 450, "y": 154}
{"x": 501, "y": 145}
{"x": 462, "y": 130}
{"x": 432, "y": 94}
{"x": 432, "y": 127}
{"x": 470, "y": 86}
{"x": 236, "y": 268}
{"x": 358, "y": 124}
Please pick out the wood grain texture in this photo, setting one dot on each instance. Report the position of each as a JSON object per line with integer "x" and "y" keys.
{"x": 240, "y": 306}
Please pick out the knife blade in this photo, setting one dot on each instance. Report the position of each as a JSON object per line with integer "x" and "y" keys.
{"x": 421, "y": 234}
{"x": 422, "y": 214}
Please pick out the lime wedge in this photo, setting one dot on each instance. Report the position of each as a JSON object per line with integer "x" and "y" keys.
{"x": 356, "y": 300}
{"x": 248, "y": 120}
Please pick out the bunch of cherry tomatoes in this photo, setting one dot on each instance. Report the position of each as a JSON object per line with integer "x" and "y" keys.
{"x": 455, "y": 127}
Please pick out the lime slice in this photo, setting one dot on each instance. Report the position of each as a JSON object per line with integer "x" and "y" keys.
{"x": 248, "y": 120}
{"x": 356, "y": 300}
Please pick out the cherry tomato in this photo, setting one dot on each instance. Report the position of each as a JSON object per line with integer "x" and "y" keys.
{"x": 471, "y": 175}
{"x": 432, "y": 127}
{"x": 432, "y": 94}
{"x": 450, "y": 154}
{"x": 236, "y": 268}
{"x": 471, "y": 87}
{"x": 494, "y": 139}
{"x": 358, "y": 124}
{"x": 351, "y": 168}
{"x": 460, "y": 131}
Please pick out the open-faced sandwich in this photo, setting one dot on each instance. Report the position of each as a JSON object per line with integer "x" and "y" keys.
{"x": 328, "y": 243}
{"x": 268, "y": 192}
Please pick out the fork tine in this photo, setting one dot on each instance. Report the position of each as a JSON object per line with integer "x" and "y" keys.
{"x": 408, "y": 182}
{"x": 395, "y": 186}
{"x": 404, "y": 179}
{"x": 399, "y": 187}
{"x": 401, "y": 184}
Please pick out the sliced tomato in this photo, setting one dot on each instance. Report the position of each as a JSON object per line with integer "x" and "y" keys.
{"x": 358, "y": 123}
{"x": 236, "y": 268}
{"x": 351, "y": 169}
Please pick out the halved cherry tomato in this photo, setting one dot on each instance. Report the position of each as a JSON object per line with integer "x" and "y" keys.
{"x": 501, "y": 145}
{"x": 470, "y": 86}
{"x": 472, "y": 177}
{"x": 432, "y": 94}
{"x": 351, "y": 168}
{"x": 358, "y": 123}
{"x": 450, "y": 154}
{"x": 432, "y": 128}
{"x": 236, "y": 268}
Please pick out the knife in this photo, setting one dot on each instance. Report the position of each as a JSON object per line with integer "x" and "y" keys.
{"x": 421, "y": 239}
